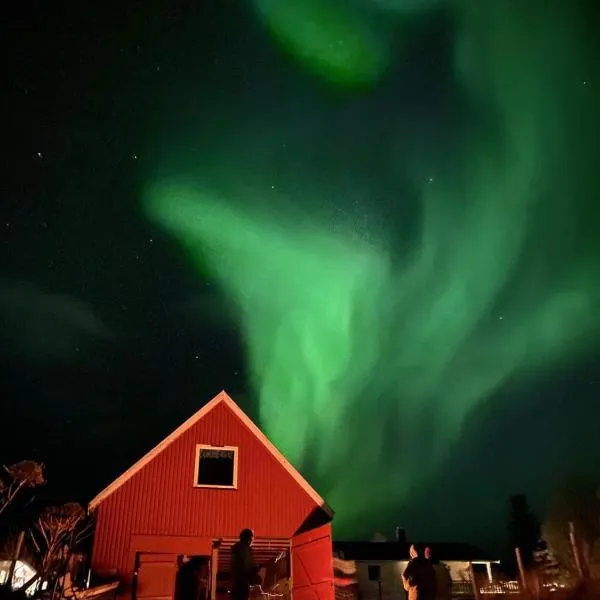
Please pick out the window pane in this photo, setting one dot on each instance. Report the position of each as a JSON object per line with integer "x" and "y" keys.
{"x": 216, "y": 467}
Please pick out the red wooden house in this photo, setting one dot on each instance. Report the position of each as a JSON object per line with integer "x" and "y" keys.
{"x": 191, "y": 496}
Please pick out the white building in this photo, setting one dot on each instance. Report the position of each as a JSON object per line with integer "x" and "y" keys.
{"x": 374, "y": 569}
{"x": 22, "y": 574}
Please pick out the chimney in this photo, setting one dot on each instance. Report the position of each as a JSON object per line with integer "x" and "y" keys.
{"x": 401, "y": 535}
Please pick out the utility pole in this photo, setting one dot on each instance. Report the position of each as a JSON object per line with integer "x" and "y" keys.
{"x": 521, "y": 570}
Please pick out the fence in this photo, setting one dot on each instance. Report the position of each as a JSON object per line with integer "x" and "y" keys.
{"x": 461, "y": 590}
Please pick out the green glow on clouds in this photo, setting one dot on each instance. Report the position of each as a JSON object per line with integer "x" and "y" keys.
{"x": 328, "y": 38}
{"x": 353, "y": 352}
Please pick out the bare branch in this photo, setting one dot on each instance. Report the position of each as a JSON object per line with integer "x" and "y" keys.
{"x": 54, "y": 533}
{"x": 33, "y": 537}
{"x": 24, "y": 474}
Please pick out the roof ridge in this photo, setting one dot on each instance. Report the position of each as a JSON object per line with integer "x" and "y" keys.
{"x": 221, "y": 397}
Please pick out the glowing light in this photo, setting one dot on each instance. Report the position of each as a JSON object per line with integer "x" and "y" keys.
{"x": 362, "y": 364}
{"x": 328, "y": 38}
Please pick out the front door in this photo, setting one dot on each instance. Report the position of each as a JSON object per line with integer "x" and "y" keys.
{"x": 156, "y": 574}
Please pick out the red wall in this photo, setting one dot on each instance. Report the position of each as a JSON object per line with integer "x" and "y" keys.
{"x": 160, "y": 499}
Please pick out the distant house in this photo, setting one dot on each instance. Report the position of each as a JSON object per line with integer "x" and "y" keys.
{"x": 183, "y": 505}
{"x": 374, "y": 569}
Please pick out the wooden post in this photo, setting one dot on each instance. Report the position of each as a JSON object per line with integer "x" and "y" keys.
{"x": 15, "y": 558}
{"x": 488, "y": 570}
{"x": 136, "y": 573}
{"x": 214, "y": 569}
{"x": 521, "y": 570}
{"x": 575, "y": 550}
{"x": 474, "y": 585}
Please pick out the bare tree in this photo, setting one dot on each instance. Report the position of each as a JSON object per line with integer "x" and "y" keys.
{"x": 556, "y": 535}
{"x": 575, "y": 502}
{"x": 56, "y": 531}
{"x": 24, "y": 474}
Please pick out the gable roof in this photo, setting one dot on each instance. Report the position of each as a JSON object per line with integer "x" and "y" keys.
{"x": 399, "y": 551}
{"x": 221, "y": 398}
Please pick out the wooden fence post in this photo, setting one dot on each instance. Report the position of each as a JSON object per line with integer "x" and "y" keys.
{"x": 14, "y": 558}
{"x": 575, "y": 550}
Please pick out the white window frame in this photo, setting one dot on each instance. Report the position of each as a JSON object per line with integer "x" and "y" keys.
{"x": 199, "y": 448}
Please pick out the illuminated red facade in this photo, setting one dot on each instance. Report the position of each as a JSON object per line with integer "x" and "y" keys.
{"x": 155, "y": 510}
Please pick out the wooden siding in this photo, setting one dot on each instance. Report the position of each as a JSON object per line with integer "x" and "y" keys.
{"x": 160, "y": 500}
{"x": 263, "y": 550}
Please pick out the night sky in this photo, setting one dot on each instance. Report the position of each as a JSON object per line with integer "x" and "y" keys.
{"x": 373, "y": 222}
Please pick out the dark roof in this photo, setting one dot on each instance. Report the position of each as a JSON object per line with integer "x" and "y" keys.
{"x": 380, "y": 551}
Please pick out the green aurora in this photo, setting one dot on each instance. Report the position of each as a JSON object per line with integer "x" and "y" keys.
{"x": 354, "y": 351}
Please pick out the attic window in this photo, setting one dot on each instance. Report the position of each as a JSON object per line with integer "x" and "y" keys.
{"x": 216, "y": 466}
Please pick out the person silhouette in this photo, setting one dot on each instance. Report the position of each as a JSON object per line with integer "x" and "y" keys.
{"x": 244, "y": 571}
{"x": 442, "y": 577}
{"x": 419, "y": 577}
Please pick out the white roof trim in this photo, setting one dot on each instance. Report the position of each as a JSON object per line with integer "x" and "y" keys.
{"x": 245, "y": 419}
